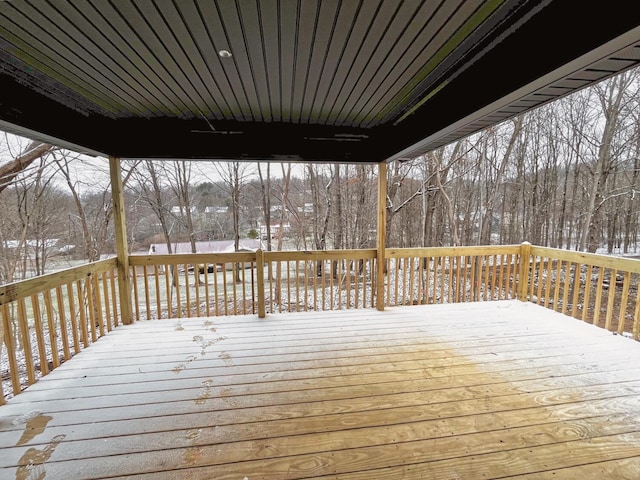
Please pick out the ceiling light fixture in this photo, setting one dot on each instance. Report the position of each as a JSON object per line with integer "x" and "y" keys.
{"x": 225, "y": 53}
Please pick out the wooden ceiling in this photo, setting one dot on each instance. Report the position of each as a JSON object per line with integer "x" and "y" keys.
{"x": 310, "y": 80}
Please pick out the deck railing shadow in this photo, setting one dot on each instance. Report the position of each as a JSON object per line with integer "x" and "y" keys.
{"x": 47, "y": 320}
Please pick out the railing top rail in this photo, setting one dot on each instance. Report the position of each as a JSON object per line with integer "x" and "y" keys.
{"x": 597, "y": 260}
{"x": 25, "y": 288}
{"x": 189, "y": 258}
{"x": 452, "y": 251}
{"x": 281, "y": 256}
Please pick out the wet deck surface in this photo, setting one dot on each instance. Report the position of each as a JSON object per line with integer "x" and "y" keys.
{"x": 466, "y": 391}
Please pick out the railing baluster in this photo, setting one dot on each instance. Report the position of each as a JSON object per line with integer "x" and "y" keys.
{"x": 207, "y": 299}
{"x": 297, "y": 285}
{"x": 587, "y": 294}
{"x": 23, "y": 325}
{"x": 136, "y": 294}
{"x": 450, "y": 286}
{"x": 398, "y": 266}
{"x": 611, "y": 293}
{"x": 626, "y": 280}
{"x": 88, "y": 307}
{"x": 306, "y": 285}
{"x": 510, "y": 282}
{"x": 37, "y": 323}
{"x": 10, "y": 343}
{"x": 556, "y": 290}
{"x": 461, "y": 282}
{"x": 107, "y": 306}
{"x": 225, "y": 290}
{"x": 347, "y": 280}
{"x": 53, "y": 334}
{"x": 244, "y": 287}
{"x": 215, "y": 288}
{"x": 443, "y": 273}
{"x": 63, "y": 324}
{"x": 196, "y": 283}
{"x": 97, "y": 304}
{"x": 114, "y": 297}
{"x": 235, "y": 273}
{"x": 502, "y": 279}
{"x": 168, "y": 292}
{"x": 72, "y": 318}
{"x": 576, "y": 286}
{"x": 356, "y": 280}
{"x": 566, "y": 287}
{"x": 187, "y": 291}
{"x": 314, "y": 275}
{"x": 324, "y": 287}
{"x": 547, "y": 283}
{"x": 636, "y": 315}
{"x": 472, "y": 279}
{"x": 541, "y": 280}
{"x": 488, "y": 280}
{"x": 156, "y": 287}
{"x": 596, "y": 308}
{"x": 83, "y": 314}
{"x": 175, "y": 281}
{"x": 288, "y": 266}
{"x": 147, "y": 300}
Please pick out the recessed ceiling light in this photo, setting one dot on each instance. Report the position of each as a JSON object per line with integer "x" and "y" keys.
{"x": 225, "y": 53}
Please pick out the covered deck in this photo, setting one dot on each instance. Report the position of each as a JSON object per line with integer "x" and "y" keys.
{"x": 502, "y": 389}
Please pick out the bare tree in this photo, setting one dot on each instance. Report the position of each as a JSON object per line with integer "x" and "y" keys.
{"x": 611, "y": 98}
{"x": 147, "y": 185}
{"x": 21, "y": 163}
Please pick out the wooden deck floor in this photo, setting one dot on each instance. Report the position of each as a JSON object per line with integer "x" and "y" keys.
{"x": 468, "y": 391}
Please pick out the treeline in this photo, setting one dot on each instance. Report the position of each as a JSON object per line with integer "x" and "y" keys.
{"x": 564, "y": 175}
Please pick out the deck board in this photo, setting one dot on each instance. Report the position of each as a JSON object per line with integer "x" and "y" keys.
{"x": 485, "y": 390}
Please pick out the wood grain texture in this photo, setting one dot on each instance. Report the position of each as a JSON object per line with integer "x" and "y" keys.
{"x": 489, "y": 390}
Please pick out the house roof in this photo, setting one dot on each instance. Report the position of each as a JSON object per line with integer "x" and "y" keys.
{"x": 216, "y": 246}
{"x": 312, "y": 80}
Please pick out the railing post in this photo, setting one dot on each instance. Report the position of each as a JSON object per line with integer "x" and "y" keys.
{"x": 523, "y": 277}
{"x": 381, "y": 234}
{"x": 260, "y": 279}
{"x": 122, "y": 249}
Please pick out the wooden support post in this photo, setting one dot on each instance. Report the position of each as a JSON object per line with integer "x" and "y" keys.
{"x": 381, "y": 230}
{"x": 122, "y": 249}
{"x": 523, "y": 276}
{"x": 261, "y": 286}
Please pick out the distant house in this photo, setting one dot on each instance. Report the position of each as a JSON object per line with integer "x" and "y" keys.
{"x": 182, "y": 211}
{"x": 215, "y": 246}
{"x": 306, "y": 209}
{"x": 216, "y": 210}
{"x": 52, "y": 246}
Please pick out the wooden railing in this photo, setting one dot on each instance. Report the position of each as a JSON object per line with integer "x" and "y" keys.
{"x": 48, "y": 319}
{"x": 420, "y": 276}
{"x": 319, "y": 280}
{"x": 193, "y": 285}
{"x": 598, "y": 289}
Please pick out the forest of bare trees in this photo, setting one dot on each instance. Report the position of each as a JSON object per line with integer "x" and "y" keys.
{"x": 564, "y": 175}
